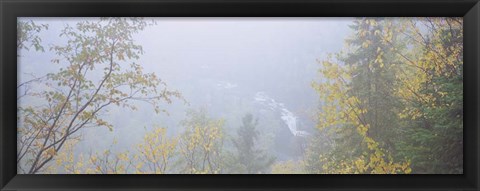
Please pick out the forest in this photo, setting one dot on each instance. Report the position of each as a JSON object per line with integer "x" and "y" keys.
{"x": 233, "y": 96}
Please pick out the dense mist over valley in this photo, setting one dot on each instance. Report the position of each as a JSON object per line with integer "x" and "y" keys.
{"x": 211, "y": 95}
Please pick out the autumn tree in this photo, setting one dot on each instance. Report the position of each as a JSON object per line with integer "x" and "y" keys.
{"x": 252, "y": 159}
{"x": 201, "y": 143}
{"x": 342, "y": 111}
{"x": 357, "y": 104}
{"x": 289, "y": 167}
{"x": 66, "y": 161}
{"x": 157, "y": 151}
{"x": 373, "y": 75}
{"x": 395, "y": 95}
{"x": 27, "y": 35}
{"x": 317, "y": 144}
{"x": 97, "y": 71}
{"x": 431, "y": 88}
{"x": 107, "y": 161}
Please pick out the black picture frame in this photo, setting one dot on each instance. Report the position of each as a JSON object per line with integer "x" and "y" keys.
{"x": 10, "y": 10}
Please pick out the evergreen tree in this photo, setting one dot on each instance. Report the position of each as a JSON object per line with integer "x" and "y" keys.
{"x": 251, "y": 159}
{"x": 373, "y": 76}
{"x": 395, "y": 95}
{"x": 433, "y": 113}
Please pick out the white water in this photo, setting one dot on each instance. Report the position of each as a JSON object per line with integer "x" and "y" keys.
{"x": 287, "y": 116}
{"x": 261, "y": 97}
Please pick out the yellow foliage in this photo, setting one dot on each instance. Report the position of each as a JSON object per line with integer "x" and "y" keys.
{"x": 339, "y": 110}
{"x": 200, "y": 144}
{"x": 289, "y": 167}
{"x": 156, "y": 151}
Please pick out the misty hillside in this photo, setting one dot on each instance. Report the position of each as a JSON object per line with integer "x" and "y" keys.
{"x": 249, "y": 95}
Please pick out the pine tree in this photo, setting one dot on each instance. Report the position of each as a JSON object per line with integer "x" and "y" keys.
{"x": 251, "y": 159}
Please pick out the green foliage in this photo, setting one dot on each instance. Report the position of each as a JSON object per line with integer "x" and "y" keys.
{"x": 27, "y": 35}
{"x": 433, "y": 131}
{"x": 395, "y": 95}
{"x": 251, "y": 159}
{"x": 391, "y": 103}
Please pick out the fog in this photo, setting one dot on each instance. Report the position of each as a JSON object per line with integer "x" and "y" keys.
{"x": 222, "y": 65}
{"x": 240, "y": 95}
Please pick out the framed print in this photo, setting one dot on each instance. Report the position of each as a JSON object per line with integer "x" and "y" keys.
{"x": 272, "y": 95}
